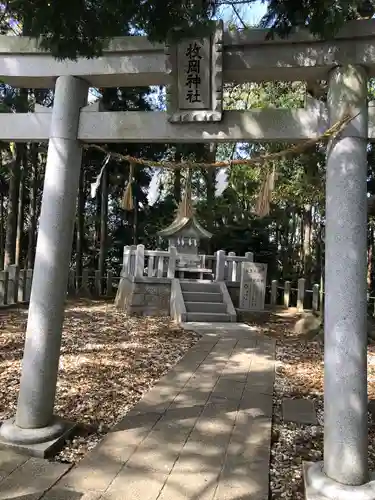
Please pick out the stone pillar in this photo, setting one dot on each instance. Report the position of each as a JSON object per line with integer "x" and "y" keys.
{"x": 220, "y": 265}
{"x": 34, "y": 422}
{"x": 345, "y": 327}
{"x": 300, "y": 294}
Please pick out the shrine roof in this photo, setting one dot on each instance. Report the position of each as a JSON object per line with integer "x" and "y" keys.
{"x": 182, "y": 222}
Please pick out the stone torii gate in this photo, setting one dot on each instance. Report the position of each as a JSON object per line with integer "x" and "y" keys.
{"x": 346, "y": 62}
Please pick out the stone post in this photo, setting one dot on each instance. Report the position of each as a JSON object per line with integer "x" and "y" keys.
{"x": 109, "y": 284}
{"x": 172, "y": 262}
{"x": 274, "y": 292}
{"x": 231, "y": 276}
{"x": 139, "y": 261}
{"x": 301, "y": 294}
{"x": 35, "y": 422}
{"x": 249, "y": 256}
{"x": 345, "y": 322}
{"x": 4, "y": 280}
{"x": 220, "y": 265}
{"x": 315, "y": 297}
{"x": 286, "y": 294}
{"x": 98, "y": 283}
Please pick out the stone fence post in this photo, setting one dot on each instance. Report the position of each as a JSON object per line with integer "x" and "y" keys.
{"x": 220, "y": 265}
{"x": 139, "y": 261}
{"x": 13, "y": 284}
{"x": 172, "y": 262}
{"x": 287, "y": 294}
{"x": 274, "y": 284}
{"x": 231, "y": 269}
{"x": 4, "y": 283}
{"x": 109, "y": 284}
{"x": 315, "y": 298}
{"x": 249, "y": 256}
{"x": 300, "y": 294}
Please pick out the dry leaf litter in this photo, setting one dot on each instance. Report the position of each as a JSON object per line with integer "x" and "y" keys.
{"x": 108, "y": 361}
{"x": 299, "y": 374}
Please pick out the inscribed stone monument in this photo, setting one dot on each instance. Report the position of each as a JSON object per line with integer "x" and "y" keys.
{"x": 195, "y": 68}
{"x": 253, "y": 286}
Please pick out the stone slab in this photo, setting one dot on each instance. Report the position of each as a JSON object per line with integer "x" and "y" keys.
{"x": 61, "y": 494}
{"x": 33, "y": 477}
{"x": 299, "y": 411}
{"x": 132, "y": 484}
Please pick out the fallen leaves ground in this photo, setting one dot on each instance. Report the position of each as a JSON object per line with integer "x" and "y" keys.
{"x": 299, "y": 373}
{"x": 108, "y": 361}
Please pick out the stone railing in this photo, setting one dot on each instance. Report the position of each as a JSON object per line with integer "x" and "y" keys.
{"x": 15, "y": 285}
{"x": 298, "y": 296}
{"x": 139, "y": 262}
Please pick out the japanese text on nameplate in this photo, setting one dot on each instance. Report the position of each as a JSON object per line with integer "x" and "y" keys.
{"x": 193, "y": 72}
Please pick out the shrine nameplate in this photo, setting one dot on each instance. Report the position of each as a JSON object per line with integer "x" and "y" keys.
{"x": 253, "y": 286}
{"x": 195, "y": 67}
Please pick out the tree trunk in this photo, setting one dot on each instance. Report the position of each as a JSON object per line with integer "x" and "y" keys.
{"x": 21, "y": 207}
{"x": 2, "y": 225}
{"x": 33, "y": 204}
{"x": 97, "y": 228}
{"x": 80, "y": 228}
{"x": 103, "y": 224}
{"x": 177, "y": 179}
{"x": 307, "y": 230}
{"x": 12, "y": 212}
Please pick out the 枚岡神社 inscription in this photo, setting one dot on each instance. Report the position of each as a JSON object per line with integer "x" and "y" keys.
{"x": 195, "y": 67}
{"x": 194, "y": 74}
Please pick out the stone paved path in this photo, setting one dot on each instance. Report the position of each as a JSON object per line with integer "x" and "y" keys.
{"x": 202, "y": 433}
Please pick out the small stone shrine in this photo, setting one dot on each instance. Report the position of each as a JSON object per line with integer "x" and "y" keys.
{"x": 184, "y": 234}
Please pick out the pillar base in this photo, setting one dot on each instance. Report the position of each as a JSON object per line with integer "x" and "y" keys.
{"x": 42, "y": 442}
{"x": 318, "y": 486}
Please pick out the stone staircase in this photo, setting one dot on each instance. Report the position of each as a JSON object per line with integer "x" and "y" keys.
{"x": 205, "y": 302}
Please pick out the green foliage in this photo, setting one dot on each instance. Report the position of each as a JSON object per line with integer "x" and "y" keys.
{"x": 82, "y": 28}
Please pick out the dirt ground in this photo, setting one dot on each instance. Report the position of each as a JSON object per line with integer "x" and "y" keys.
{"x": 108, "y": 361}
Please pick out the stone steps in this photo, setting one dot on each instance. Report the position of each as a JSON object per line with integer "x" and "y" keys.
{"x": 215, "y": 307}
{"x": 204, "y": 302}
{"x": 208, "y": 317}
{"x": 202, "y": 297}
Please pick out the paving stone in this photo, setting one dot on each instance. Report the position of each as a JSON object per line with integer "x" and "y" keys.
{"x": 228, "y": 389}
{"x": 131, "y": 484}
{"x": 33, "y": 477}
{"x": 64, "y": 494}
{"x": 154, "y": 455}
{"x": 256, "y": 405}
{"x": 190, "y": 397}
{"x": 206, "y": 446}
{"x": 300, "y": 411}
{"x": 238, "y": 364}
{"x": 245, "y": 481}
{"x": 250, "y": 440}
{"x": 190, "y": 486}
{"x": 93, "y": 473}
{"x": 10, "y": 460}
{"x": 261, "y": 376}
